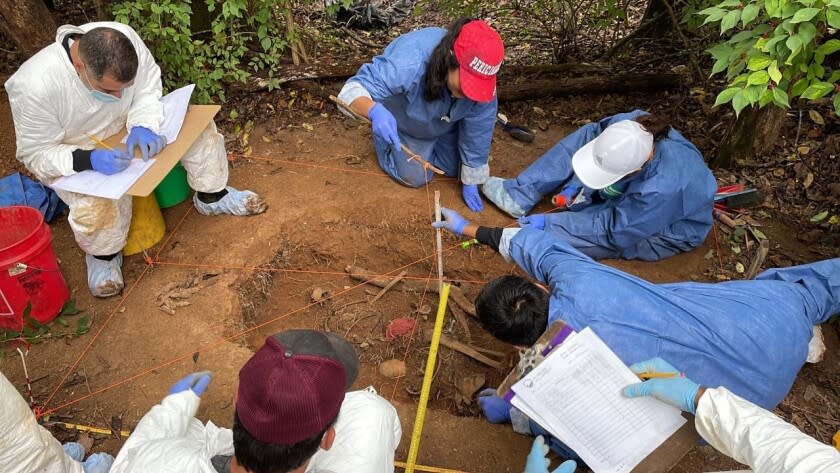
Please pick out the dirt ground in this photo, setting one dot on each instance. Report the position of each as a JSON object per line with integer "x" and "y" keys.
{"x": 330, "y": 207}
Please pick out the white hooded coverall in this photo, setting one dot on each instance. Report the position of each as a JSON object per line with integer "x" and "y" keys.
{"x": 169, "y": 439}
{"x": 54, "y": 113}
{"x": 25, "y": 446}
{"x": 756, "y": 437}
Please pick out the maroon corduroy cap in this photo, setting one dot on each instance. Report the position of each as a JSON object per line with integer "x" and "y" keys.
{"x": 480, "y": 51}
{"x": 293, "y": 387}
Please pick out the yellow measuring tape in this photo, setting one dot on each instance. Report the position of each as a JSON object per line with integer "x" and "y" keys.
{"x": 430, "y": 469}
{"x": 87, "y": 428}
{"x": 427, "y": 382}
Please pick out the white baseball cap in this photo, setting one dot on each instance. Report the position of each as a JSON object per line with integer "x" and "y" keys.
{"x": 621, "y": 149}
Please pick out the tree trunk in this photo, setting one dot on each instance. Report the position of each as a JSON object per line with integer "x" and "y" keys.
{"x": 28, "y": 23}
{"x": 754, "y": 133}
{"x": 103, "y": 13}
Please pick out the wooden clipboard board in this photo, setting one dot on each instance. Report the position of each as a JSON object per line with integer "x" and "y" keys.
{"x": 196, "y": 120}
{"x": 664, "y": 458}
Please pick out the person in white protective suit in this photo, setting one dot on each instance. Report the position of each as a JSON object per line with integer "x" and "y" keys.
{"x": 93, "y": 81}
{"x": 293, "y": 414}
{"x": 736, "y": 427}
{"x": 27, "y": 447}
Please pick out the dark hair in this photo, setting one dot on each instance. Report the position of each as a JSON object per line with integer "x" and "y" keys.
{"x": 441, "y": 62}
{"x": 108, "y": 50}
{"x": 257, "y": 456}
{"x": 656, "y": 125}
{"x": 513, "y": 309}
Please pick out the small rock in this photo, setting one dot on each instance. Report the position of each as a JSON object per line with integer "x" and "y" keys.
{"x": 319, "y": 294}
{"x": 392, "y": 368}
{"x": 364, "y": 345}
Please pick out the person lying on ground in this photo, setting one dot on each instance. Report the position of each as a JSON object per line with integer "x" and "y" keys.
{"x": 750, "y": 337}
{"x": 736, "y": 427}
{"x": 292, "y": 414}
{"x": 26, "y": 446}
{"x": 433, "y": 90}
{"x": 93, "y": 81}
{"x": 635, "y": 189}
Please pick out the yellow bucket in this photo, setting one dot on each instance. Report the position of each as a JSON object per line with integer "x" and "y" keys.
{"x": 147, "y": 225}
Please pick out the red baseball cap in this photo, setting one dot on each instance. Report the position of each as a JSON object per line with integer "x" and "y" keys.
{"x": 293, "y": 387}
{"x": 480, "y": 51}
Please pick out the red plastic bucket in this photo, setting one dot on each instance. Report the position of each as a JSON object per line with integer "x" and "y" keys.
{"x": 29, "y": 272}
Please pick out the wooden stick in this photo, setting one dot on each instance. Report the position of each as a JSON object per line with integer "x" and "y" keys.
{"x": 438, "y": 241}
{"x": 758, "y": 260}
{"x": 461, "y": 318}
{"x": 724, "y": 219}
{"x": 411, "y": 154}
{"x": 378, "y": 280}
{"x": 469, "y": 351}
{"x": 389, "y": 286}
{"x": 491, "y": 353}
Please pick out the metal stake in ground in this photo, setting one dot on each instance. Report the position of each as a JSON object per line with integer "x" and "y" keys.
{"x": 438, "y": 241}
{"x": 420, "y": 417}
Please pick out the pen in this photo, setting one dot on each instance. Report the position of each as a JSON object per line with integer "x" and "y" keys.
{"x": 653, "y": 374}
{"x": 100, "y": 142}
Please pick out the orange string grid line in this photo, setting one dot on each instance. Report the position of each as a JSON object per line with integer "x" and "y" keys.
{"x": 92, "y": 341}
{"x": 189, "y": 354}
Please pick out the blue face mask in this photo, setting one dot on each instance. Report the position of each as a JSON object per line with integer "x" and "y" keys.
{"x": 98, "y": 94}
{"x": 103, "y": 97}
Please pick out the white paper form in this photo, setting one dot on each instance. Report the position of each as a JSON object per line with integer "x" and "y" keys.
{"x": 175, "y": 105}
{"x": 575, "y": 394}
{"x": 100, "y": 185}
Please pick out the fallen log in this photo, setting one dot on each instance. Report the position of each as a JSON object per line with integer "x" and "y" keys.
{"x": 592, "y": 84}
{"x": 597, "y": 79}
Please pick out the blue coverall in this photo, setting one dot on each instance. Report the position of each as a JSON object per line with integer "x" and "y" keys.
{"x": 663, "y": 210}
{"x": 748, "y": 336}
{"x": 452, "y": 134}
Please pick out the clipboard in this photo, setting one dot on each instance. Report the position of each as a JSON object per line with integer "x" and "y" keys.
{"x": 662, "y": 460}
{"x": 197, "y": 119}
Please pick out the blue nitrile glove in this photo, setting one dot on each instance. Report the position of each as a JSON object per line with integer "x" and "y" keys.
{"x": 149, "y": 142}
{"x": 452, "y": 221}
{"x": 198, "y": 382}
{"x": 109, "y": 161}
{"x": 384, "y": 124}
{"x": 678, "y": 391}
{"x": 535, "y": 221}
{"x": 495, "y": 409}
{"x": 98, "y": 463}
{"x": 472, "y": 198}
{"x": 538, "y": 463}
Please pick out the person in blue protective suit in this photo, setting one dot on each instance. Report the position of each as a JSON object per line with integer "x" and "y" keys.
{"x": 637, "y": 189}
{"x": 433, "y": 90}
{"x": 750, "y": 336}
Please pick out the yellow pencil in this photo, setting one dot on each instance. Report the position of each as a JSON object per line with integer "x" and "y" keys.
{"x": 100, "y": 142}
{"x": 652, "y": 374}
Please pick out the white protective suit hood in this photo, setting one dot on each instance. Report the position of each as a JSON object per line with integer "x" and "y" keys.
{"x": 25, "y": 446}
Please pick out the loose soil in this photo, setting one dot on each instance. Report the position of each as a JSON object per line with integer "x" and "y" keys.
{"x": 329, "y": 207}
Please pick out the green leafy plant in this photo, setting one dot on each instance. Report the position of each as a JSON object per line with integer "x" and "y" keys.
{"x": 778, "y": 53}
{"x": 34, "y": 332}
{"x": 245, "y": 37}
